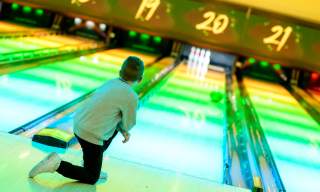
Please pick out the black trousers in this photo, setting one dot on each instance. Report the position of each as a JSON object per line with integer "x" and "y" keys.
{"x": 92, "y": 162}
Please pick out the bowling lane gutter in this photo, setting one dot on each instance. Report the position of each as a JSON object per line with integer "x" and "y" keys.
{"x": 306, "y": 101}
{"x": 240, "y": 163}
{"x": 143, "y": 88}
{"x": 20, "y": 64}
{"x": 263, "y": 159}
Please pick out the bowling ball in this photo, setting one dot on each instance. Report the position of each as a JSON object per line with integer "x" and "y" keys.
{"x": 216, "y": 96}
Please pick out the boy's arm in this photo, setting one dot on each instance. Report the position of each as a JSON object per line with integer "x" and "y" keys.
{"x": 129, "y": 113}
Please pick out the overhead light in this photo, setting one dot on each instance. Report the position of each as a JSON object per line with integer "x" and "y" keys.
{"x": 157, "y": 39}
{"x": 315, "y": 76}
{"x": 264, "y": 63}
{"x": 77, "y": 21}
{"x": 112, "y": 35}
{"x": 144, "y": 37}
{"x": 252, "y": 60}
{"x": 103, "y": 27}
{"x": 26, "y": 9}
{"x": 90, "y": 24}
{"x": 15, "y": 6}
{"x": 277, "y": 66}
{"x": 132, "y": 34}
{"x": 39, "y": 12}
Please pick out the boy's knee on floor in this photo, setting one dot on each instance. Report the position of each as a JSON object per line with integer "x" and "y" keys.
{"x": 92, "y": 179}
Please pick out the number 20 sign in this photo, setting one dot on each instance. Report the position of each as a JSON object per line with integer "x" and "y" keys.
{"x": 215, "y": 23}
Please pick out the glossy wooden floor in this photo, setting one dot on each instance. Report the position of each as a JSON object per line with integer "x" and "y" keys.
{"x": 19, "y": 154}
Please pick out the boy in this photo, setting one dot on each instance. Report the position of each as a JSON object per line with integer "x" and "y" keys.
{"x": 110, "y": 109}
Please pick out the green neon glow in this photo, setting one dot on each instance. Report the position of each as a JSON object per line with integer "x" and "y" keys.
{"x": 26, "y": 9}
{"x": 290, "y": 131}
{"x": 15, "y": 6}
{"x": 143, "y": 47}
{"x": 252, "y": 60}
{"x": 132, "y": 34}
{"x": 33, "y": 43}
{"x": 144, "y": 37}
{"x": 277, "y": 66}
{"x": 216, "y": 96}
{"x": 157, "y": 39}
{"x": 39, "y": 12}
{"x": 264, "y": 63}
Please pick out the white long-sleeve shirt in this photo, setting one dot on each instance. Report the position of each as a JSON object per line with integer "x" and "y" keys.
{"x": 113, "y": 104}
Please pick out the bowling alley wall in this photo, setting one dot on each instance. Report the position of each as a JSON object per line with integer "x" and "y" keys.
{"x": 209, "y": 24}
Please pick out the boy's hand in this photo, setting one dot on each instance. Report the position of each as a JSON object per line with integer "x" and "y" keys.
{"x": 124, "y": 133}
{"x": 126, "y": 136}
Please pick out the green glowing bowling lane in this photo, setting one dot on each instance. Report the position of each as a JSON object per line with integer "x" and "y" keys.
{"x": 26, "y": 95}
{"x": 179, "y": 128}
{"x": 9, "y": 45}
{"x": 8, "y": 27}
{"x": 293, "y": 136}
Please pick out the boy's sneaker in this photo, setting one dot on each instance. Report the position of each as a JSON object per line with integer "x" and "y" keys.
{"x": 103, "y": 175}
{"x": 48, "y": 164}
